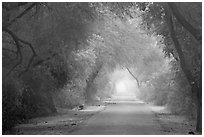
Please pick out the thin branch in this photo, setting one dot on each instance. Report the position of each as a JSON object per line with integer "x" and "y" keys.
{"x": 8, "y": 42}
{"x": 36, "y": 64}
{"x": 30, "y": 45}
{"x": 13, "y": 7}
{"x": 173, "y": 54}
{"x": 18, "y": 63}
{"x": 138, "y": 84}
{"x": 93, "y": 76}
{"x": 28, "y": 66}
{"x": 140, "y": 15}
{"x": 31, "y": 59}
{"x": 19, "y": 16}
{"x": 17, "y": 40}
{"x": 42, "y": 61}
{"x": 18, "y": 50}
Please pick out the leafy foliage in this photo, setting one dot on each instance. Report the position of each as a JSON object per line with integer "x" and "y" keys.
{"x": 181, "y": 41}
{"x": 63, "y": 54}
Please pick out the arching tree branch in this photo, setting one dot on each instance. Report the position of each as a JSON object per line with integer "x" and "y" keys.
{"x": 44, "y": 60}
{"x": 197, "y": 34}
{"x": 19, "y": 54}
{"x": 18, "y": 62}
{"x": 138, "y": 84}
{"x": 17, "y": 41}
{"x": 19, "y": 16}
{"x": 28, "y": 66}
{"x": 178, "y": 48}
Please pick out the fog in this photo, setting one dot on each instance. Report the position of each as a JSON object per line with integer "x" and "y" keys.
{"x": 125, "y": 85}
{"x": 117, "y": 61}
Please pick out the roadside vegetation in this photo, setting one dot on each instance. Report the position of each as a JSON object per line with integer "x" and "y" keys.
{"x": 62, "y": 55}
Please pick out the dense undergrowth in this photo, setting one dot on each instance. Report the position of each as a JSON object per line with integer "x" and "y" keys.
{"x": 173, "y": 92}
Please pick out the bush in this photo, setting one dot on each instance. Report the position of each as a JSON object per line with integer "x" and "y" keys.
{"x": 181, "y": 102}
{"x": 26, "y": 97}
{"x": 176, "y": 94}
{"x": 68, "y": 97}
{"x": 11, "y": 105}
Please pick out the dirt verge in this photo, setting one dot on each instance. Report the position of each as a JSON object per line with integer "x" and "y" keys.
{"x": 174, "y": 124}
{"x": 62, "y": 123}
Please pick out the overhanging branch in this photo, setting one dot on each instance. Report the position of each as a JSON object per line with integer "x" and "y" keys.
{"x": 19, "y": 16}
{"x": 197, "y": 34}
{"x": 178, "y": 48}
{"x": 44, "y": 60}
{"x": 18, "y": 63}
{"x": 17, "y": 41}
{"x": 138, "y": 84}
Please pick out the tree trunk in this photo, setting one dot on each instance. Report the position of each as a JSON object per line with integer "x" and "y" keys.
{"x": 199, "y": 103}
{"x": 195, "y": 86}
{"x": 199, "y": 117}
{"x": 88, "y": 92}
{"x": 51, "y": 104}
{"x": 198, "y": 100}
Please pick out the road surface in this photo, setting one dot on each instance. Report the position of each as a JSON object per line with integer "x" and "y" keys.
{"x": 123, "y": 117}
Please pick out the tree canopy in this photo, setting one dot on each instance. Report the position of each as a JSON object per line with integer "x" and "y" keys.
{"x": 65, "y": 54}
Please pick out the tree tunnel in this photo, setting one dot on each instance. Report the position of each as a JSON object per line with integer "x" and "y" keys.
{"x": 68, "y": 54}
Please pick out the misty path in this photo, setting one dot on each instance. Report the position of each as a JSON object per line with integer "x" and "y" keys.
{"x": 83, "y": 67}
{"x": 123, "y": 116}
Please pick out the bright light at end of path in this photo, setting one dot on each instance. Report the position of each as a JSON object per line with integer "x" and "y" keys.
{"x": 121, "y": 87}
{"x": 125, "y": 87}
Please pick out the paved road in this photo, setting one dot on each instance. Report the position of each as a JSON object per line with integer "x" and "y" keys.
{"x": 129, "y": 117}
